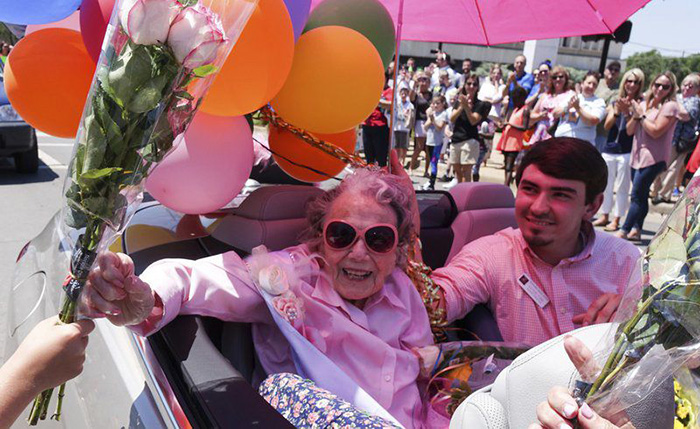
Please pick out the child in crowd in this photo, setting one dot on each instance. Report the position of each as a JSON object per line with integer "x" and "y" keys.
{"x": 518, "y": 123}
{"x": 403, "y": 122}
{"x": 435, "y": 128}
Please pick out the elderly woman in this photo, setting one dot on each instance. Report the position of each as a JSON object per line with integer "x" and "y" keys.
{"x": 342, "y": 292}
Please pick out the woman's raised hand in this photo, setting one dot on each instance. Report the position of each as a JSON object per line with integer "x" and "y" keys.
{"x": 115, "y": 292}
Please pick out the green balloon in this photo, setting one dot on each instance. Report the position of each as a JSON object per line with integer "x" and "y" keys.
{"x": 368, "y": 17}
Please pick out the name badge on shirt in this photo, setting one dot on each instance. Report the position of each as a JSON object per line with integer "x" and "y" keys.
{"x": 533, "y": 290}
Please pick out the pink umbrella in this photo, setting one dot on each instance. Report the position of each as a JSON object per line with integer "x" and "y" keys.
{"x": 492, "y": 22}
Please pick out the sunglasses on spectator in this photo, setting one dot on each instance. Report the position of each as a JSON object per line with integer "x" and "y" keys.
{"x": 663, "y": 86}
{"x": 379, "y": 238}
{"x": 471, "y": 84}
{"x": 558, "y": 76}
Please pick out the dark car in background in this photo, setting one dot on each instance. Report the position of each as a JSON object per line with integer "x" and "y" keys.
{"x": 17, "y": 138}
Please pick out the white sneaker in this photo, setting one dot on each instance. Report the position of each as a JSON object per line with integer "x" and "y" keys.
{"x": 428, "y": 187}
{"x": 451, "y": 185}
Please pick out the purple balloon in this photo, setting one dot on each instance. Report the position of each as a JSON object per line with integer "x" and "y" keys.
{"x": 299, "y": 12}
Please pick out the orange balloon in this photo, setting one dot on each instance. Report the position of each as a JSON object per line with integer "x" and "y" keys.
{"x": 335, "y": 83}
{"x": 47, "y": 79}
{"x": 287, "y": 146}
{"x": 258, "y": 64}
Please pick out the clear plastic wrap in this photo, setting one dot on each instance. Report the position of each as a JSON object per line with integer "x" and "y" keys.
{"x": 657, "y": 329}
{"x": 158, "y": 59}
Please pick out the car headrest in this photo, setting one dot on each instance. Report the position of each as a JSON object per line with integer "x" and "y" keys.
{"x": 277, "y": 202}
{"x": 482, "y": 195}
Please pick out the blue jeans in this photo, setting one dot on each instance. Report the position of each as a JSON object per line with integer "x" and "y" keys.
{"x": 642, "y": 180}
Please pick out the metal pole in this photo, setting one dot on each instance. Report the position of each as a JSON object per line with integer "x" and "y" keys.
{"x": 604, "y": 56}
{"x": 397, "y": 59}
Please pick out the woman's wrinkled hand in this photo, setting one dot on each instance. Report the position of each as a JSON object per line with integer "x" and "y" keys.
{"x": 115, "y": 292}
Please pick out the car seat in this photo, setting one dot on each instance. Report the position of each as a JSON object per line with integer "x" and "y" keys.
{"x": 482, "y": 209}
{"x": 511, "y": 401}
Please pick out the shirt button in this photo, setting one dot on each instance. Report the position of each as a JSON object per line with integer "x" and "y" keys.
{"x": 563, "y": 310}
{"x": 387, "y": 378}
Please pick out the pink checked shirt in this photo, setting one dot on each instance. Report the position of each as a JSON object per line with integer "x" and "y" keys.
{"x": 372, "y": 345}
{"x": 487, "y": 271}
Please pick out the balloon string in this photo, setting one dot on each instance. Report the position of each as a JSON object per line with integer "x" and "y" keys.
{"x": 322, "y": 173}
{"x": 329, "y": 148}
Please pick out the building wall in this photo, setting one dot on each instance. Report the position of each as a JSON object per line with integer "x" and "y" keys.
{"x": 572, "y": 52}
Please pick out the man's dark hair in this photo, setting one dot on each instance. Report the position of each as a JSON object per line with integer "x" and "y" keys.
{"x": 614, "y": 64}
{"x": 467, "y": 59}
{"x": 568, "y": 158}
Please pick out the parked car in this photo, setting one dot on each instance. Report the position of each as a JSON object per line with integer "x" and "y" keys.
{"x": 17, "y": 138}
{"x": 198, "y": 371}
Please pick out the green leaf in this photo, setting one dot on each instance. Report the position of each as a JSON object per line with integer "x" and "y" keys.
{"x": 666, "y": 256}
{"x": 95, "y": 145}
{"x": 150, "y": 94}
{"x": 184, "y": 94}
{"x": 205, "y": 70}
{"x": 685, "y": 313}
{"x": 188, "y": 2}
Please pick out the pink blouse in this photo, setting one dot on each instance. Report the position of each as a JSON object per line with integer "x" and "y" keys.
{"x": 372, "y": 345}
{"x": 646, "y": 150}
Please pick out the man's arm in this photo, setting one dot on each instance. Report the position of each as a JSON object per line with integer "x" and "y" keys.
{"x": 465, "y": 281}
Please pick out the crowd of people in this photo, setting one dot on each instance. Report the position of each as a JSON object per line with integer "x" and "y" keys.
{"x": 645, "y": 133}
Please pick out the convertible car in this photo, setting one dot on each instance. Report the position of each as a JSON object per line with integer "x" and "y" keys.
{"x": 201, "y": 372}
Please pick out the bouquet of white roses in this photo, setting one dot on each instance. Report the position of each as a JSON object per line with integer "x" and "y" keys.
{"x": 158, "y": 60}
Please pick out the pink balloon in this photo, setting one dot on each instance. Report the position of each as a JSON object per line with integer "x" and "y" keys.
{"x": 208, "y": 168}
{"x": 72, "y": 22}
{"x": 94, "y": 18}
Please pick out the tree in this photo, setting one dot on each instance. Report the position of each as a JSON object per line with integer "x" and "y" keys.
{"x": 652, "y": 63}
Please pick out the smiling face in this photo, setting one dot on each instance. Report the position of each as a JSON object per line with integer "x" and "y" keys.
{"x": 549, "y": 211}
{"x": 689, "y": 88}
{"x": 358, "y": 273}
{"x": 661, "y": 87}
{"x": 519, "y": 64}
{"x": 589, "y": 85}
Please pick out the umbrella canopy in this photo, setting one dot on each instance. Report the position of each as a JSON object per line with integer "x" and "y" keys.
{"x": 493, "y": 22}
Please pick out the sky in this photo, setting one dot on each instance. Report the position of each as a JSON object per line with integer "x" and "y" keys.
{"x": 670, "y": 26}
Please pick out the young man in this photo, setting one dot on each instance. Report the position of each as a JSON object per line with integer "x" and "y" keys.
{"x": 555, "y": 272}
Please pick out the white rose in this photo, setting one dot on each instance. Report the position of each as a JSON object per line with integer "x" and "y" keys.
{"x": 273, "y": 280}
{"x": 196, "y": 36}
{"x": 147, "y": 22}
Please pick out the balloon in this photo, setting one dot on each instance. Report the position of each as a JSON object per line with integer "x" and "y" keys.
{"x": 208, "y": 167}
{"x": 47, "y": 79}
{"x": 369, "y": 17}
{"x": 288, "y": 147}
{"x": 299, "y": 12}
{"x": 36, "y": 11}
{"x": 71, "y": 23}
{"x": 258, "y": 65}
{"x": 94, "y": 17}
{"x": 335, "y": 82}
